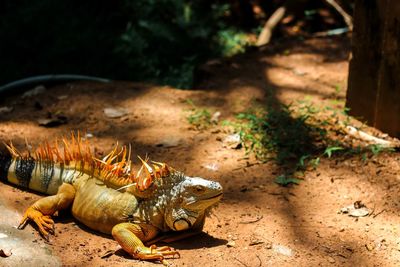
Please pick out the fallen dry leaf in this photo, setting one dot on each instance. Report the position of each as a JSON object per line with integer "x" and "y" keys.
{"x": 357, "y": 209}
{"x": 52, "y": 121}
{"x": 115, "y": 112}
{"x": 5, "y": 253}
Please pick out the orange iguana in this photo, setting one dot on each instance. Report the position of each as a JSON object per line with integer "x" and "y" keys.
{"x": 106, "y": 195}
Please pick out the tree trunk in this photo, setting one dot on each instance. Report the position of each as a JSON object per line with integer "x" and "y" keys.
{"x": 374, "y": 76}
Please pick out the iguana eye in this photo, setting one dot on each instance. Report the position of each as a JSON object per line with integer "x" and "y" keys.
{"x": 199, "y": 189}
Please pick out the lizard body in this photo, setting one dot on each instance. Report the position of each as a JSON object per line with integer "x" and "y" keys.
{"x": 108, "y": 196}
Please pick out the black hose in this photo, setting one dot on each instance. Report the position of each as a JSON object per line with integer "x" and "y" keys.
{"x": 21, "y": 85}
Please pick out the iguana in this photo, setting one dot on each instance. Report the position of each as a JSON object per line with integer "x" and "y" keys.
{"x": 107, "y": 195}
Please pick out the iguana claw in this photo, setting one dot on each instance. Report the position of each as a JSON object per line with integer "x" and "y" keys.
{"x": 155, "y": 253}
{"x": 44, "y": 222}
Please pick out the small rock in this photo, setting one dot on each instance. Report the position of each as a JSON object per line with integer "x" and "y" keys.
{"x": 370, "y": 246}
{"x": 211, "y": 166}
{"x": 283, "y": 250}
{"x": 115, "y": 112}
{"x": 35, "y": 91}
{"x": 379, "y": 243}
{"x": 231, "y": 244}
{"x": 3, "y": 235}
{"x": 169, "y": 141}
{"x": 232, "y": 141}
{"x": 331, "y": 260}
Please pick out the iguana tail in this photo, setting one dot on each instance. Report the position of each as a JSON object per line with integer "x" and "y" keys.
{"x": 50, "y": 165}
{"x": 26, "y": 171}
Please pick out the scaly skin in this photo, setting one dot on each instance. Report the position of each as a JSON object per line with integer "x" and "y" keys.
{"x": 107, "y": 196}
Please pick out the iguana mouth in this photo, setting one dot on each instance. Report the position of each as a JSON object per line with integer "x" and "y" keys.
{"x": 219, "y": 195}
{"x": 204, "y": 200}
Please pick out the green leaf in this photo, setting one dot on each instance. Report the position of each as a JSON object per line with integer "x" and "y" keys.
{"x": 329, "y": 150}
{"x": 284, "y": 180}
{"x": 302, "y": 159}
{"x": 315, "y": 162}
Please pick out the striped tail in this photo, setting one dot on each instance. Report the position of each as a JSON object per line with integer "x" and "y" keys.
{"x": 46, "y": 168}
{"x": 44, "y": 177}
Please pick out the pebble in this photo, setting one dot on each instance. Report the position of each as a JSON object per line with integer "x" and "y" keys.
{"x": 115, "y": 112}
{"x": 231, "y": 244}
{"x": 283, "y": 250}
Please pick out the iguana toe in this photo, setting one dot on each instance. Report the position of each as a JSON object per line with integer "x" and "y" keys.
{"x": 155, "y": 253}
{"x": 44, "y": 222}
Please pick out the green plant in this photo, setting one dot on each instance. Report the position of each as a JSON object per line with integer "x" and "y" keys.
{"x": 376, "y": 149}
{"x": 232, "y": 41}
{"x": 199, "y": 118}
{"x": 285, "y": 181}
{"x": 330, "y": 149}
{"x": 297, "y": 136}
{"x": 162, "y": 41}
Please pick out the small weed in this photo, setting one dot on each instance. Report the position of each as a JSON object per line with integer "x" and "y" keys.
{"x": 329, "y": 150}
{"x": 199, "y": 118}
{"x": 297, "y": 136}
{"x": 285, "y": 180}
{"x": 232, "y": 42}
{"x": 276, "y": 134}
{"x": 377, "y": 149}
{"x": 315, "y": 162}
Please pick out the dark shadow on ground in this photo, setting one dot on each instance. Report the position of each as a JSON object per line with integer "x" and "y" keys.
{"x": 293, "y": 138}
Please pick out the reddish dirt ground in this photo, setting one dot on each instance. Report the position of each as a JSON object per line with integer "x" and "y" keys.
{"x": 258, "y": 222}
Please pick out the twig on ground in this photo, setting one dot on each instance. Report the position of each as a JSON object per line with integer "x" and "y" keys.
{"x": 253, "y": 221}
{"x": 244, "y": 264}
{"x": 266, "y": 33}
{"x": 260, "y": 262}
{"x": 347, "y": 18}
{"x": 372, "y": 212}
{"x": 379, "y": 213}
{"x": 369, "y": 138}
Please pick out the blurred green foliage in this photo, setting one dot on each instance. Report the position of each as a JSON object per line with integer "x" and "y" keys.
{"x": 146, "y": 40}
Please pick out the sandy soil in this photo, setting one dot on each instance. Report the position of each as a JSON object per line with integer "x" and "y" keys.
{"x": 258, "y": 223}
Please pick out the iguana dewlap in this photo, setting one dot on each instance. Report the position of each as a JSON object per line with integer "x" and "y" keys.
{"x": 106, "y": 195}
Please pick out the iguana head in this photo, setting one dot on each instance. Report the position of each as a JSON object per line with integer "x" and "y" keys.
{"x": 190, "y": 199}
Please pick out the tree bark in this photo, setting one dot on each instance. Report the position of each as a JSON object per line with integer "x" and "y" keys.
{"x": 374, "y": 75}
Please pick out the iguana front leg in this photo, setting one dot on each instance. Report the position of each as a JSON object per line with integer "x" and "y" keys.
{"x": 40, "y": 212}
{"x": 131, "y": 236}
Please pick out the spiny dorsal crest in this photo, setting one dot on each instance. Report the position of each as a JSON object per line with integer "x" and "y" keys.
{"x": 115, "y": 168}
